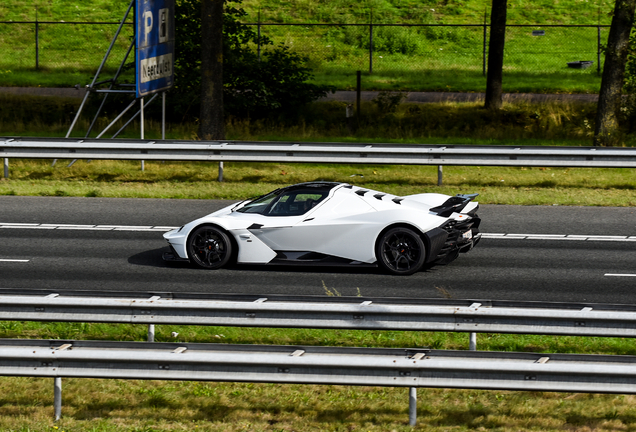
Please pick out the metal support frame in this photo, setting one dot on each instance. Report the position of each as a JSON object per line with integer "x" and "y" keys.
{"x": 133, "y": 117}
{"x": 141, "y": 110}
{"x": 101, "y": 66}
{"x": 112, "y": 83}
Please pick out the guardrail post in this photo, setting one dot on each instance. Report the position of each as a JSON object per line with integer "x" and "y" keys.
{"x": 412, "y": 406}
{"x": 220, "y": 171}
{"x": 57, "y": 397}
{"x": 6, "y": 167}
{"x": 440, "y": 175}
{"x": 472, "y": 345}
{"x": 151, "y": 332}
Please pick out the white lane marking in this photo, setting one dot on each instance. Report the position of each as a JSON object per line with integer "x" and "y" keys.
{"x": 85, "y": 227}
{"x": 619, "y": 275}
{"x": 14, "y": 260}
{"x": 496, "y": 236}
{"x": 558, "y": 237}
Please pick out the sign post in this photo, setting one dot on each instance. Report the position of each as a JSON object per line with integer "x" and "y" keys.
{"x": 154, "y": 56}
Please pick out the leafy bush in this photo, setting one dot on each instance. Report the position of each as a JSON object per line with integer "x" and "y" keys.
{"x": 388, "y": 102}
{"x": 253, "y": 86}
{"x": 388, "y": 40}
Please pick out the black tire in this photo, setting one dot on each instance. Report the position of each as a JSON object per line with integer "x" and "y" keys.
{"x": 209, "y": 247}
{"x": 400, "y": 251}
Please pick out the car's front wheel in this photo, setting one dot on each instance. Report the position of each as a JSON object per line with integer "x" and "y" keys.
{"x": 209, "y": 247}
{"x": 400, "y": 251}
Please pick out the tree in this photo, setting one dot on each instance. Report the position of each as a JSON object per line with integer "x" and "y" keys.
{"x": 496, "y": 54}
{"x": 628, "y": 99}
{"x": 275, "y": 83}
{"x": 606, "y": 130}
{"x": 212, "y": 119}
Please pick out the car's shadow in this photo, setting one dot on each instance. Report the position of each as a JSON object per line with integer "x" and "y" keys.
{"x": 154, "y": 258}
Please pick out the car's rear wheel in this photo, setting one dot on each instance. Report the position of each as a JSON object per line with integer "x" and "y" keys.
{"x": 400, "y": 251}
{"x": 209, "y": 247}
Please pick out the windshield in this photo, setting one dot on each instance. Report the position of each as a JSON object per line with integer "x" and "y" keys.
{"x": 287, "y": 202}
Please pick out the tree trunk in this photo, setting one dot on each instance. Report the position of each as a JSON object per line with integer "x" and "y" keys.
{"x": 211, "y": 122}
{"x": 606, "y": 130}
{"x": 496, "y": 54}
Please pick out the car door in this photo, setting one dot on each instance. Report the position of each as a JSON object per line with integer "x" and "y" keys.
{"x": 277, "y": 228}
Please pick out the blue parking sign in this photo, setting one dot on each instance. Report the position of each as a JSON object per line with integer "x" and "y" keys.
{"x": 154, "y": 39}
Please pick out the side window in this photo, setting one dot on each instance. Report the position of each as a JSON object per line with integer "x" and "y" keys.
{"x": 286, "y": 202}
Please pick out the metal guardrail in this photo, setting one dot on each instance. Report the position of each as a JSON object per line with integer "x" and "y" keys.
{"x": 391, "y": 367}
{"x": 413, "y": 368}
{"x": 307, "y": 152}
{"x": 361, "y": 313}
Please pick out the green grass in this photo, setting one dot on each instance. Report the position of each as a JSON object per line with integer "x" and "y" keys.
{"x": 412, "y": 58}
{"x": 427, "y": 11}
{"x": 301, "y": 11}
{"x": 131, "y": 405}
{"x": 445, "y": 59}
{"x": 496, "y": 185}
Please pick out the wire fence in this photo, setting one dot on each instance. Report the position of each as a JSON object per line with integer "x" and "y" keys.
{"x": 332, "y": 48}
{"x": 52, "y": 45}
{"x": 376, "y": 47}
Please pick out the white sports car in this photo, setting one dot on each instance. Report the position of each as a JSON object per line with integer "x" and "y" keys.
{"x": 329, "y": 223}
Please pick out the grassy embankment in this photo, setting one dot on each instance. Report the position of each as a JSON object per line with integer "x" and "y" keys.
{"x": 406, "y": 58}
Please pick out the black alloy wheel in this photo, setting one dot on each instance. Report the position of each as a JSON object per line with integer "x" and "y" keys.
{"x": 400, "y": 251}
{"x": 209, "y": 247}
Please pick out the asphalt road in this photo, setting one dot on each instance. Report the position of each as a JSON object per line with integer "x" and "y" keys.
{"x": 528, "y": 253}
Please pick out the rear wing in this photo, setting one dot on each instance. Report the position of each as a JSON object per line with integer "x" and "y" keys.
{"x": 454, "y": 204}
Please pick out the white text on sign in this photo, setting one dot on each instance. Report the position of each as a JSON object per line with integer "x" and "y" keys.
{"x": 156, "y": 67}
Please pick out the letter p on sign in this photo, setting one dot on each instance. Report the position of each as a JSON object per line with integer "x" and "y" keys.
{"x": 147, "y": 25}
